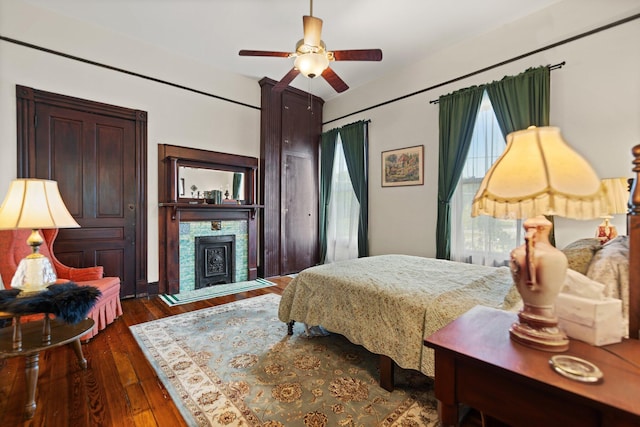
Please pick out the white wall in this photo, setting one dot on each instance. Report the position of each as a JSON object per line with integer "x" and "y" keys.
{"x": 595, "y": 101}
{"x": 175, "y": 116}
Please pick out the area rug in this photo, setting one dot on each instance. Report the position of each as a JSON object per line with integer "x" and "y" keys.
{"x": 214, "y": 291}
{"x": 234, "y": 365}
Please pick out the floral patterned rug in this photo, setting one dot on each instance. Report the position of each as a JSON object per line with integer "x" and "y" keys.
{"x": 235, "y": 365}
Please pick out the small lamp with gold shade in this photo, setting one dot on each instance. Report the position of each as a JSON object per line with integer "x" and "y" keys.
{"x": 538, "y": 174}
{"x": 617, "y": 195}
{"x": 34, "y": 204}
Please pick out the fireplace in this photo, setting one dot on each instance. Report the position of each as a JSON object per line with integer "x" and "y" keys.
{"x": 183, "y": 218}
{"x": 192, "y": 231}
{"x": 215, "y": 260}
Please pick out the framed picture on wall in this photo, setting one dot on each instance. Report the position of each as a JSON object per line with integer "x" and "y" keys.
{"x": 404, "y": 166}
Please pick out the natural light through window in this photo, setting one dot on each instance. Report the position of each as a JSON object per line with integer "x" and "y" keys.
{"x": 343, "y": 213}
{"x": 481, "y": 240}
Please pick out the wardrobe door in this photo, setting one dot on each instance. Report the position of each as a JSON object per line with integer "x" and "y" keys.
{"x": 292, "y": 124}
{"x": 299, "y": 185}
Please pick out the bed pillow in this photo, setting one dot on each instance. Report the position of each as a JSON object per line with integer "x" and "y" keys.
{"x": 580, "y": 253}
{"x": 610, "y": 266}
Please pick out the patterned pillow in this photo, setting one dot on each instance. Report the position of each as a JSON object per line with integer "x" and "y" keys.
{"x": 610, "y": 266}
{"x": 580, "y": 253}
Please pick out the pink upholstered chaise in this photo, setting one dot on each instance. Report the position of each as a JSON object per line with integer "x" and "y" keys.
{"x": 13, "y": 247}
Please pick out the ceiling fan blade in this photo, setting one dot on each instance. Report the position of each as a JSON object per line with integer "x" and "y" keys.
{"x": 263, "y": 53}
{"x": 334, "y": 80}
{"x": 358, "y": 55}
{"x": 312, "y": 27}
{"x": 288, "y": 78}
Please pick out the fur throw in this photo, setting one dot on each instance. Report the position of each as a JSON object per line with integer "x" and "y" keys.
{"x": 68, "y": 301}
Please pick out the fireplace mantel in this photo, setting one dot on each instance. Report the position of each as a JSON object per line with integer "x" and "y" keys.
{"x": 198, "y": 207}
{"x": 174, "y": 209}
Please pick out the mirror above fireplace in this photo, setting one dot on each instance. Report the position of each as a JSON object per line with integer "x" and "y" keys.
{"x": 185, "y": 174}
{"x": 196, "y": 183}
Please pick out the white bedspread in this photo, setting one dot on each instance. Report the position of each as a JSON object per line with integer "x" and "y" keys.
{"x": 389, "y": 303}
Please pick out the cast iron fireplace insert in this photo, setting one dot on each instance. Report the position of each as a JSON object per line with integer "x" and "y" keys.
{"x": 215, "y": 260}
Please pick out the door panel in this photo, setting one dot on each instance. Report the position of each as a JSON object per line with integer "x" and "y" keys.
{"x": 110, "y": 172}
{"x": 299, "y": 218}
{"x": 63, "y": 153}
{"x": 299, "y": 186}
{"x": 93, "y": 159}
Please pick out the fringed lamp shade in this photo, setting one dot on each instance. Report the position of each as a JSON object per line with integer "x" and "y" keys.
{"x": 617, "y": 194}
{"x": 539, "y": 174}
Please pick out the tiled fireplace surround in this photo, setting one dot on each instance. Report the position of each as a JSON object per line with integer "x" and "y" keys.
{"x": 185, "y": 222}
{"x": 192, "y": 229}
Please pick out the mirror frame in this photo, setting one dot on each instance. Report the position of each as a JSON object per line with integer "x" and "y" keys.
{"x": 205, "y": 180}
{"x": 171, "y": 157}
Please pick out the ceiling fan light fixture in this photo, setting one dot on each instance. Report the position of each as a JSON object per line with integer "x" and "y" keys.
{"x": 312, "y": 58}
{"x": 311, "y": 64}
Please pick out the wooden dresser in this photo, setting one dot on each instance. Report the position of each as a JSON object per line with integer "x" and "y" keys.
{"x": 476, "y": 363}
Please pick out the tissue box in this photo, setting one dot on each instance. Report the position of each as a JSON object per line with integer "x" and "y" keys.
{"x": 597, "y": 322}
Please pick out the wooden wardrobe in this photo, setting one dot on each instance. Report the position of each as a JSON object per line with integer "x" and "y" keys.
{"x": 291, "y": 125}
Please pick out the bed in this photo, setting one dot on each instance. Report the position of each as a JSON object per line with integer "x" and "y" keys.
{"x": 389, "y": 303}
{"x": 383, "y": 303}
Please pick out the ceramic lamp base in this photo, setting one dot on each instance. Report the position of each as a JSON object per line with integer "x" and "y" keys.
{"x": 539, "y": 270}
{"x": 606, "y": 231}
{"x": 539, "y": 332}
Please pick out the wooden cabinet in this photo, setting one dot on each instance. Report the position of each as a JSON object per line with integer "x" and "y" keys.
{"x": 479, "y": 365}
{"x": 291, "y": 126}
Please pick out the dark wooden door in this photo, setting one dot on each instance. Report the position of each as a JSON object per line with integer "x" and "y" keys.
{"x": 299, "y": 185}
{"x": 93, "y": 156}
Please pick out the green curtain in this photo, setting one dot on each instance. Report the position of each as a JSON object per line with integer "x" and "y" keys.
{"x": 458, "y": 112}
{"x": 354, "y": 143}
{"x": 237, "y": 179}
{"x": 327, "y": 154}
{"x": 522, "y": 101}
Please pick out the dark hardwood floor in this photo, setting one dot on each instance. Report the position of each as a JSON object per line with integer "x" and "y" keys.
{"x": 119, "y": 387}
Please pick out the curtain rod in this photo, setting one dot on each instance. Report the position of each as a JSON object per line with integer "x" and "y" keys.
{"x": 551, "y": 67}
{"x": 490, "y": 67}
{"x": 365, "y": 121}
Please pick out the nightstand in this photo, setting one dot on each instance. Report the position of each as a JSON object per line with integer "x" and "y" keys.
{"x": 477, "y": 364}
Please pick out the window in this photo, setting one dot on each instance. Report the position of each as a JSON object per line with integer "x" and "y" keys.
{"x": 481, "y": 240}
{"x": 343, "y": 214}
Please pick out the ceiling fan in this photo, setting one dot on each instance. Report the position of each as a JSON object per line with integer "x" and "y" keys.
{"x": 312, "y": 57}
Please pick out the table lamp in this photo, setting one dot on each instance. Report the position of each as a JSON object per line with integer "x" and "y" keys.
{"x": 617, "y": 195}
{"x": 539, "y": 174}
{"x": 34, "y": 204}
